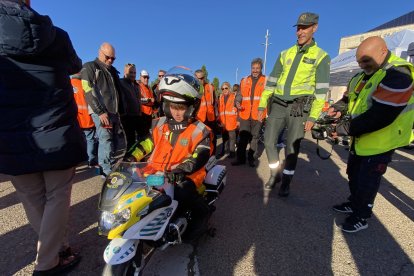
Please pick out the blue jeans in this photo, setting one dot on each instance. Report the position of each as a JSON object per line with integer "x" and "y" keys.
{"x": 108, "y": 138}
{"x": 91, "y": 144}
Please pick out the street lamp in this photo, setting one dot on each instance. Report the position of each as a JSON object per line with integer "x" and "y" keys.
{"x": 265, "y": 55}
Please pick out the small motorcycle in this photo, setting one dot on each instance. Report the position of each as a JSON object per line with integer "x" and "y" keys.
{"x": 136, "y": 208}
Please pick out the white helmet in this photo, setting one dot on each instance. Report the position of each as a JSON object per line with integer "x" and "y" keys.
{"x": 180, "y": 86}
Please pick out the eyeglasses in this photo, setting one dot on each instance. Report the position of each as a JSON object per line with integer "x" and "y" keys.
{"x": 224, "y": 88}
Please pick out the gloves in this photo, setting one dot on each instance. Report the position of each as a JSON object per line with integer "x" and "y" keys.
{"x": 176, "y": 175}
{"x": 296, "y": 109}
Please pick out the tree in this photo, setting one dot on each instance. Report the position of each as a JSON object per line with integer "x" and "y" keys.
{"x": 216, "y": 84}
{"x": 204, "y": 69}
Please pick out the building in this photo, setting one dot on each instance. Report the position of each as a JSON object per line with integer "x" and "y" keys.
{"x": 340, "y": 75}
{"x": 404, "y": 22}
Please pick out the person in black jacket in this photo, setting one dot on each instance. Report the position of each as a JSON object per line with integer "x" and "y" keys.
{"x": 132, "y": 95}
{"x": 102, "y": 87}
{"x": 40, "y": 140}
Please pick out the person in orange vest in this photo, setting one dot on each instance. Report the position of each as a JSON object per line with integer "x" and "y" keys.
{"x": 147, "y": 104}
{"x": 228, "y": 120}
{"x": 181, "y": 146}
{"x": 247, "y": 102}
{"x": 207, "y": 113}
{"x": 85, "y": 120}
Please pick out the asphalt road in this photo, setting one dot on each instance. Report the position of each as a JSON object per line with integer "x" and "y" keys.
{"x": 258, "y": 233}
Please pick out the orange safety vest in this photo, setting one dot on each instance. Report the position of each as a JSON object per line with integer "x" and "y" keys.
{"x": 84, "y": 118}
{"x": 228, "y": 112}
{"x": 146, "y": 96}
{"x": 206, "y": 110}
{"x": 250, "y": 109}
{"x": 165, "y": 157}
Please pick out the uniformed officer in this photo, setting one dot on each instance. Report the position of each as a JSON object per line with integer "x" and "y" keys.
{"x": 295, "y": 94}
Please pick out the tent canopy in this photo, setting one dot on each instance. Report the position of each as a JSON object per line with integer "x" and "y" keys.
{"x": 346, "y": 63}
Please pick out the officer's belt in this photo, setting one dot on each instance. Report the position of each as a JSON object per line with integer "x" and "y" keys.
{"x": 281, "y": 102}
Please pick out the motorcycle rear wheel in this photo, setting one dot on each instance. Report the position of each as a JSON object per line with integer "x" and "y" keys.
{"x": 128, "y": 268}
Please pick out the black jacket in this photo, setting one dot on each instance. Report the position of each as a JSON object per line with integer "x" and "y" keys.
{"x": 105, "y": 96}
{"x": 131, "y": 95}
{"x": 38, "y": 126}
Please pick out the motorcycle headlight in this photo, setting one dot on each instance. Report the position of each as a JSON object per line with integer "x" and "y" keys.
{"x": 109, "y": 220}
{"x": 106, "y": 222}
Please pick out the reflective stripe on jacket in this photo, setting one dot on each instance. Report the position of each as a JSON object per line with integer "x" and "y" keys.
{"x": 399, "y": 132}
{"x": 228, "y": 112}
{"x": 249, "y": 108}
{"x": 146, "y": 97}
{"x": 84, "y": 118}
{"x": 206, "y": 110}
{"x": 165, "y": 157}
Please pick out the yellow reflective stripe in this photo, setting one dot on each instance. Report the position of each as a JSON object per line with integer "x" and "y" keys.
{"x": 320, "y": 96}
{"x": 86, "y": 87}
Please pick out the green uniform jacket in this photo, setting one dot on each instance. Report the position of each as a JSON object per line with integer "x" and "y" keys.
{"x": 299, "y": 71}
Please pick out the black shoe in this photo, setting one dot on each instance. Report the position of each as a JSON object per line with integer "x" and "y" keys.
{"x": 238, "y": 163}
{"x": 285, "y": 187}
{"x": 232, "y": 154}
{"x": 354, "y": 224}
{"x": 272, "y": 181}
{"x": 343, "y": 208}
{"x": 196, "y": 229}
{"x": 65, "y": 264}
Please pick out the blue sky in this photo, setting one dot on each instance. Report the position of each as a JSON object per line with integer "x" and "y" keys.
{"x": 223, "y": 35}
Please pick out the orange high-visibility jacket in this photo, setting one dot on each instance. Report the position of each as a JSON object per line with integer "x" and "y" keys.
{"x": 84, "y": 118}
{"x": 228, "y": 112}
{"x": 146, "y": 97}
{"x": 165, "y": 157}
{"x": 249, "y": 108}
{"x": 206, "y": 110}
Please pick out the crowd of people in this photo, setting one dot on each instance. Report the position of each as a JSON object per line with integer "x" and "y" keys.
{"x": 41, "y": 144}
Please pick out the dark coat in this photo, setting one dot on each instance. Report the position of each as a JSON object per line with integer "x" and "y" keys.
{"x": 38, "y": 126}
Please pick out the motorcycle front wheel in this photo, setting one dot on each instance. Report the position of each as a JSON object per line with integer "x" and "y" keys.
{"x": 129, "y": 268}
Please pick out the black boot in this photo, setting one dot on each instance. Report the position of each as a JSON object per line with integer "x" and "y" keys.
{"x": 275, "y": 177}
{"x": 284, "y": 188}
{"x": 251, "y": 159}
{"x": 232, "y": 154}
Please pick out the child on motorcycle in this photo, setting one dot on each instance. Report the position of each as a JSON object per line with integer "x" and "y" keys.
{"x": 181, "y": 146}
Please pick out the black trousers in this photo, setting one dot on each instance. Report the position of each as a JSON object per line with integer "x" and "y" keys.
{"x": 185, "y": 192}
{"x": 131, "y": 127}
{"x": 144, "y": 125}
{"x": 364, "y": 174}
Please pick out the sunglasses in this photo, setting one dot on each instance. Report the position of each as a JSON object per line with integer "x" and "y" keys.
{"x": 108, "y": 57}
{"x": 161, "y": 76}
{"x": 145, "y": 77}
{"x": 201, "y": 78}
{"x": 224, "y": 88}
